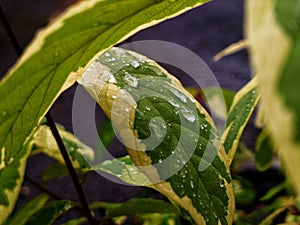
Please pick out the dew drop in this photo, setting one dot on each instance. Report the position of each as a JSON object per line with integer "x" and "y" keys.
{"x": 192, "y": 184}
{"x": 4, "y": 113}
{"x": 147, "y": 108}
{"x": 131, "y": 80}
{"x": 135, "y": 64}
{"x": 119, "y": 175}
{"x": 106, "y": 54}
{"x": 113, "y": 97}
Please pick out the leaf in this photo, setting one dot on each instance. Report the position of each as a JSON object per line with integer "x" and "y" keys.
{"x": 80, "y": 153}
{"x": 241, "y": 109}
{"x": 124, "y": 169}
{"x": 11, "y": 179}
{"x": 21, "y": 216}
{"x": 49, "y": 213}
{"x": 54, "y": 59}
{"x": 243, "y": 190}
{"x": 264, "y": 152}
{"x": 76, "y": 221}
{"x": 273, "y": 192}
{"x": 160, "y": 123}
{"x": 274, "y": 25}
{"x": 135, "y": 206}
{"x": 161, "y": 219}
{"x": 54, "y": 171}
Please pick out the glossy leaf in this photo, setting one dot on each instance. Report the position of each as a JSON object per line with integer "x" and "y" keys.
{"x": 122, "y": 168}
{"x": 274, "y": 25}
{"x": 241, "y": 109}
{"x": 21, "y": 216}
{"x": 264, "y": 152}
{"x": 53, "y": 60}
{"x": 273, "y": 192}
{"x": 176, "y": 142}
{"x": 49, "y": 213}
{"x": 11, "y": 179}
{"x": 80, "y": 153}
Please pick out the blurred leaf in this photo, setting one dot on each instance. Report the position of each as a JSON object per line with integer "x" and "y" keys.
{"x": 264, "y": 151}
{"x": 243, "y": 191}
{"x": 80, "y": 153}
{"x": 21, "y": 216}
{"x": 124, "y": 169}
{"x": 142, "y": 206}
{"x": 49, "y": 213}
{"x": 11, "y": 179}
{"x": 54, "y": 171}
{"x": 78, "y": 221}
{"x": 274, "y": 25}
{"x": 243, "y": 159}
{"x": 273, "y": 192}
{"x": 153, "y": 106}
{"x": 241, "y": 109}
{"x": 161, "y": 219}
{"x": 106, "y": 132}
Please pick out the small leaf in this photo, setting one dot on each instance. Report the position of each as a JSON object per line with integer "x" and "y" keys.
{"x": 161, "y": 219}
{"x": 243, "y": 191}
{"x": 264, "y": 152}
{"x": 54, "y": 171}
{"x": 21, "y": 216}
{"x": 11, "y": 179}
{"x": 142, "y": 206}
{"x": 78, "y": 221}
{"x": 241, "y": 109}
{"x": 80, "y": 153}
{"x": 158, "y": 120}
{"x": 124, "y": 169}
{"x": 273, "y": 192}
{"x": 49, "y": 213}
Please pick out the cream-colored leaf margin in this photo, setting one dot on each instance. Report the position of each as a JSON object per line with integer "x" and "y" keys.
{"x": 269, "y": 46}
{"x": 106, "y": 99}
{"x": 12, "y": 195}
{"x": 245, "y": 90}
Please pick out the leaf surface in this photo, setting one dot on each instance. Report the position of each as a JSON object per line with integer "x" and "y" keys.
{"x": 273, "y": 25}
{"x": 169, "y": 136}
{"x": 241, "y": 109}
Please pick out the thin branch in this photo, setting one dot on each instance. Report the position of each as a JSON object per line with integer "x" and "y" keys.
{"x": 53, "y": 128}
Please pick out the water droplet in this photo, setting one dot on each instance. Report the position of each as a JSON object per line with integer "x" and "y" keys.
{"x": 113, "y": 97}
{"x": 106, "y": 54}
{"x": 131, "y": 80}
{"x": 147, "y": 108}
{"x": 192, "y": 184}
{"x": 160, "y": 161}
{"x": 135, "y": 172}
{"x": 173, "y": 103}
{"x": 56, "y": 54}
{"x": 178, "y": 94}
{"x": 119, "y": 175}
{"x": 188, "y": 115}
{"x": 135, "y": 64}
{"x": 72, "y": 149}
{"x": 4, "y": 113}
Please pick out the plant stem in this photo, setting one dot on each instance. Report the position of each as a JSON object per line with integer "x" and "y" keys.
{"x": 53, "y": 128}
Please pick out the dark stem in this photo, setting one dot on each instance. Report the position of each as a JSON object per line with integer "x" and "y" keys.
{"x": 53, "y": 128}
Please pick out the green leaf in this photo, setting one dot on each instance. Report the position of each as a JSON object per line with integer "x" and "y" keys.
{"x": 49, "y": 213}
{"x": 243, "y": 191}
{"x": 54, "y": 59}
{"x": 124, "y": 169}
{"x": 264, "y": 152}
{"x": 11, "y": 179}
{"x": 168, "y": 135}
{"x": 80, "y": 153}
{"x": 241, "y": 109}
{"x": 161, "y": 219}
{"x": 21, "y": 216}
{"x": 78, "y": 221}
{"x": 273, "y": 191}
{"x": 274, "y": 25}
{"x": 54, "y": 171}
